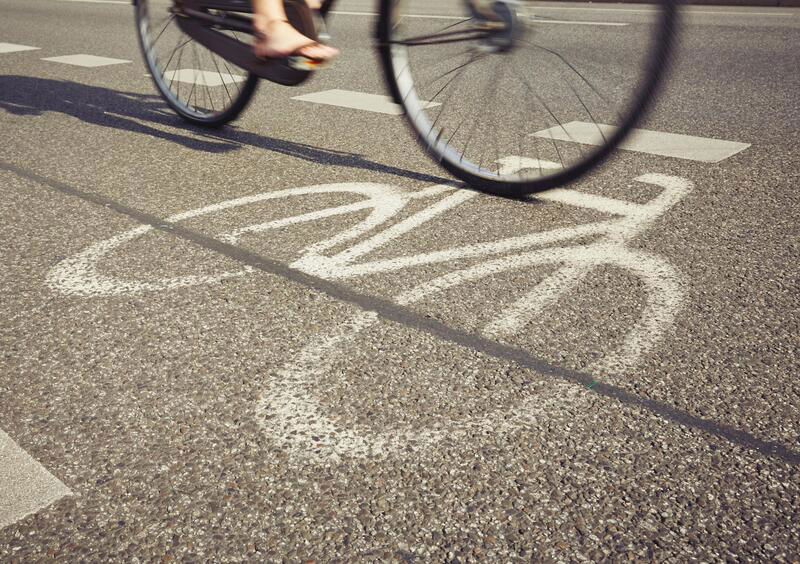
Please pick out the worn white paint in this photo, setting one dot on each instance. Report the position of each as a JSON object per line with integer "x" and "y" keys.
{"x": 203, "y": 78}
{"x": 79, "y": 275}
{"x": 357, "y": 101}
{"x": 461, "y": 17}
{"x": 121, "y": 2}
{"x": 296, "y": 417}
{"x": 89, "y": 61}
{"x": 675, "y": 145}
{"x": 25, "y": 486}
{"x": 744, "y": 12}
{"x": 14, "y": 48}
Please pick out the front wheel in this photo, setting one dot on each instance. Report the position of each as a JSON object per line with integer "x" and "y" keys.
{"x": 199, "y": 85}
{"x": 514, "y": 98}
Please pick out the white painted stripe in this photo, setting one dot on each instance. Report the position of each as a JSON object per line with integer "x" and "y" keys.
{"x": 89, "y": 61}
{"x": 203, "y": 78}
{"x": 13, "y": 48}
{"x": 657, "y": 10}
{"x": 538, "y": 8}
{"x": 100, "y": 1}
{"x": 689, "y": 147}
{"x": 440, "y": 17}
{"x": 25, "y": 485}
{"x": 573, "y": 22}
{"x": 357, "y": 101}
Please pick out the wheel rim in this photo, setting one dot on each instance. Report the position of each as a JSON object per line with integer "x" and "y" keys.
{"x": 195, "y": 81}
{"x": 548, "y": 97}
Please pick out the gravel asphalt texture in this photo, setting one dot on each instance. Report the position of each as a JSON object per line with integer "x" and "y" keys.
{"x": 157, "y": 408}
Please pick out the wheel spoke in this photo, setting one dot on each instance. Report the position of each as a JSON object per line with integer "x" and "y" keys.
{"x": 200, "y": 101}
{"x": 521, "y": 96}
{"x": 445, "y": 37}
{"x": 163, "y": 29}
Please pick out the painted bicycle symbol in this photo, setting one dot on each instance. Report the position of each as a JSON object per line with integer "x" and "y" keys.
{"x": 290, "y": 410}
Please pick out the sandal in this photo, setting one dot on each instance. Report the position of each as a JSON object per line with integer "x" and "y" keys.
{"x": 295, "y": 59}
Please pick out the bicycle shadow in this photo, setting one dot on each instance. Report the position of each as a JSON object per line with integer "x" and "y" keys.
{"x": 130, "y": 111}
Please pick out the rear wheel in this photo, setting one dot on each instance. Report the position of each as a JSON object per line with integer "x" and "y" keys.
{"x": 199, "y": 85}
{"x": 514, "y": 98}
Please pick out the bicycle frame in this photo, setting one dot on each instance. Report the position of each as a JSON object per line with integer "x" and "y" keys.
{"x": 232, "y": 20}
{"x": 195, "y": 20}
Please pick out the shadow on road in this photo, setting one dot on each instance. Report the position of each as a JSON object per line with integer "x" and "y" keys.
{"x": 32, "y": 96}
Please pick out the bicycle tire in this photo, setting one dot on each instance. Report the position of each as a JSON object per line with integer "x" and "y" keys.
{"x": 169, "y": 88}
{"x": 399, "y": 72}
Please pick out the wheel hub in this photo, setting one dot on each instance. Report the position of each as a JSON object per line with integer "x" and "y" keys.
{"x": 500, "y": 19}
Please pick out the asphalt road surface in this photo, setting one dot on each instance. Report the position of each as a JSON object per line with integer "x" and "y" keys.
{"x": 294, "y": 339}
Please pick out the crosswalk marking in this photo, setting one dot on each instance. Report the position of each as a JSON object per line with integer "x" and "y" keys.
{"x": 25, "y": 485}
{"x": 13, "y": 48}
{"x": 83, "y": 60}
{"x": 689, "y": 147}
{"x": 356, "y": 101}
{"x": 202, "y": 78}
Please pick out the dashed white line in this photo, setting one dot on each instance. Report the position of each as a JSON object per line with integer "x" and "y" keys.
{"x": 688, "y": 147}
{"x": 99, "y": 1}
{"x": 25, "y": 485}
{"x": 656, "y": 10}
{"x": 538, "y": 8}
{"x": 89, "y": 61}
{"x": 442, "y": 17}
{"x": 202, "y": 78}
{"x": 356, "y": 101}
{"x": 14, "y": 48}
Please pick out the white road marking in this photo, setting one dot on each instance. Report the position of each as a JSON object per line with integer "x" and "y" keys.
{"x": 687, "y": 147}
{"x": 453, "y": 18}
{"x": 295, "y": 418}
{"x": 356, "y": 101}
{"x": 14, "y": 48}
{"x": 89, "y": 61}
{"x": 655, "y": 11}
{"x": 575, "y": 22}
{"x": 79, "y": 274}
{"x": 100, "y": 1}
{"x": 203, "y": 78}
{"x": 538, "y": 8}
{"x": 25, "y": 486}
{"x": 290, "y": 411}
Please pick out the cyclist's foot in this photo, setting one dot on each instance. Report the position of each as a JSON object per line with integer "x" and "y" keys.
{"x": 279, "y": 39}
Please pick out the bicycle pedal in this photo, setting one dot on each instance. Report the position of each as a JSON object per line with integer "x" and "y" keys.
{"x": 305, "y": 64}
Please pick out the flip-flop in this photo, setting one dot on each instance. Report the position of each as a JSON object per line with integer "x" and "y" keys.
{"x": 301, "y": 62}
{"x": 297, "y": 61}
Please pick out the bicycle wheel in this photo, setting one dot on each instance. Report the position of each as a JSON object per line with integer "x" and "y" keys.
{"x": 513, "y": 98}
{"x": 199, "y": 85}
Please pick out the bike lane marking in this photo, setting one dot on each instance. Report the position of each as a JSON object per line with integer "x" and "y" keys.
{"x": 295, "y": 414}
{"x": 576, "y": 380}
{"x": 79, "y": 275}
{"x": 290, "y": 411}
{"x": 25, "y": 485}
